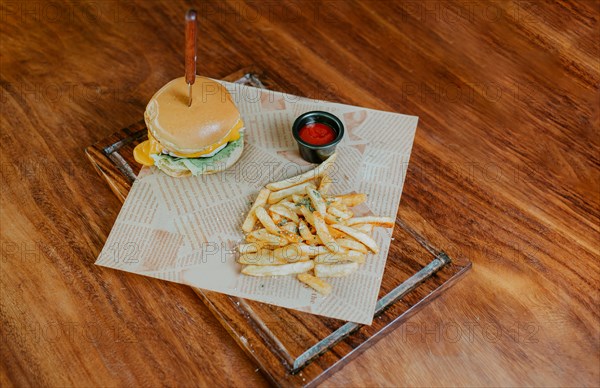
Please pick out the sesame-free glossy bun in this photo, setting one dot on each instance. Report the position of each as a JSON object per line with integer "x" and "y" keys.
{"x": 185, "y": 129}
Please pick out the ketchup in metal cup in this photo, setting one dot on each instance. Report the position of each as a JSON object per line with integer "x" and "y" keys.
{"x": 317, "y": 133}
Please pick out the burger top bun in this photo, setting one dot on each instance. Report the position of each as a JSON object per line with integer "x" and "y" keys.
{"x": 188, "y": 129}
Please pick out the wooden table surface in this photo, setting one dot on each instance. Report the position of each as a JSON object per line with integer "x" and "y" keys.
{"x": 505, "y": 164}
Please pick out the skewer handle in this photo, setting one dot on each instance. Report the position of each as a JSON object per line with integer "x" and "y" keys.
{"x": 191, "y": 27}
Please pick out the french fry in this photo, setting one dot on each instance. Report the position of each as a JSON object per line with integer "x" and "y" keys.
{"x": 365, "y": 228}
{"x": 331, "y": 219}
{"x": 341, "y": 214}
{"x": 335, "y": 233}
{"x": 317, "y": 200}
{"x": 266, "y": 220}
{"x": 315, "y": 283}
{"x": 350, "y": 244}
{"x": 290, "y": 227}
{"x": 277, "y": 196}
{"x": 250, "y": 247}
{"x": 284, "y": 212}
{"x": 298, "y": 198}
{"x": 275, "y": 217}
{"x": 315, "y": 250}
{"x": 262, "y": 236}
{"x": 264, "y": 257}
{"x": 324, "y": 235}
{"x": 278, "y": 270}
{"x": 292, "y": 206}
{"x": 296, "y": 259}
{"x": 351, "y": 199}
{"x": 325, "y": 184}
{"x": 261, "y": 200}
{"x": 358, "y": 235}
{"x": 331, "y": 258}
{"x": 290, "y": 236}
{"x": 286, "y": 202}
{"x": 307, "y": 176}
{"x": 305, "y": 232}
{"x": 292, "y": 253}
{"x": 308, "y": 215}
{"x": 335, "y": 270}
{"x": 385, "y": 222}
{"x": 337, "y": 203}
{"x": 334, "y": 201}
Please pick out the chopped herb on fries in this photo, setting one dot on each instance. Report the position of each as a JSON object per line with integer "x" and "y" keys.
{"x": 303, "y": 231}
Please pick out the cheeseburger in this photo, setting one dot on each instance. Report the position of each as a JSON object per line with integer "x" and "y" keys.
{"x": 183, "y": 140}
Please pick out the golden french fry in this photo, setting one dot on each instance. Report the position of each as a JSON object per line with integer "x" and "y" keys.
{"x": 292, "y": 252}
{"x": 291, "y": 206}
{"x": 284, "y": 212}
{"x": 305, "y": 232}
{"x": 278, "y": 270}
{"x": 286, "y": 202}
{"x": 250, "y": 247}
{"x": 334, "y": 201}
{"x": 261, "y": 200}
{"x": 331, "y": 219}
{"x": 290, "y": 236}
{"x": 305, "y": 249}
{"x": 351, "y": 199}
{"x": 298, "y": 198}
{"x": 350, "y": 244}
{"x": 277, "y": 196}
{"x": 308, "y": 215}
{"x": 335, "y": 270}
{"x": 337, "y": 204}
{"x": 341, "y": 214}
{"x": 365, "y": 228}
{"x": 266, "y": 220}
{"x": 314, "y": 282}
{"x": 325, "y": 184}
{"x": 275, "y": 217}
{"x": 262, "y": 236}
{"x": 385, "y": 222}
{"x": 315, "y": 250}
{"x": 305, "y": 177}
{"x": 324, "y": 235}
{"x": 317, "y": 200}
{"x": 331, "y": 258}
{"x": 335, "y": 233}
{"x": 358, "y": 235}
{"x": 290, "y": 227}
{"x": 263, "y": 257}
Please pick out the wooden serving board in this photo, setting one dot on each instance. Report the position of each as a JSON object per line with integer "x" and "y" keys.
{"x": 293, "y": 348}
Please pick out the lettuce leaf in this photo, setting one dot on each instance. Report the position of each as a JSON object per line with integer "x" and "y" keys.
{"x": 198, "y": 165}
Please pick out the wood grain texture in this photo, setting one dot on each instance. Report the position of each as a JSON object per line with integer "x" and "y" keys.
{"x": 505, "y": 167}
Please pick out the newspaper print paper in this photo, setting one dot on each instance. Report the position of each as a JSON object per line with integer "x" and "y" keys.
{"x": 185, "y": 230}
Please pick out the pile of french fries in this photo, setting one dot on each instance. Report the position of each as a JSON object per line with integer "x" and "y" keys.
{"x": 295, "y": 227}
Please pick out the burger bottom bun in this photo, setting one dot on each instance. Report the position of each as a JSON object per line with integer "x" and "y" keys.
{"x": 178, "y": 171}
{"x": 175, "y": 172}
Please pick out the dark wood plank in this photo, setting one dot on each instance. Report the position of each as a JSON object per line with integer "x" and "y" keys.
{"x": 504, "y": 171}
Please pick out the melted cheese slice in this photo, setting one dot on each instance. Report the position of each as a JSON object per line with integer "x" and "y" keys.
{"x": 142, "y": 151}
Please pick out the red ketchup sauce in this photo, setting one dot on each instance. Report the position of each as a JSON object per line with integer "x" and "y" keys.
{"x": 317, "y": 133}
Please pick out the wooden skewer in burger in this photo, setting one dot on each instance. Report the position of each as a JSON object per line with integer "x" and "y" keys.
{"x": 191, "y": 136}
